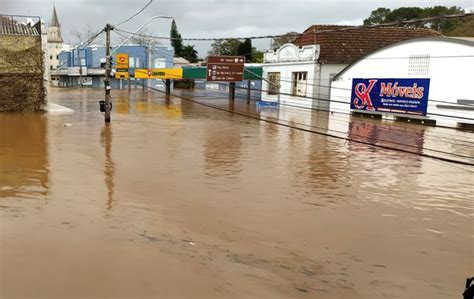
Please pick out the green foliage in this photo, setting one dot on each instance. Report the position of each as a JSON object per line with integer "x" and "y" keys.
{"x": 245, "y": 49}
{"x": 257, "y": 56}
{"x": 234, "y": 47}
{"x": 384, "y": 15}
{"x": 377, "y": 16}
{"x": 190, "y": 53}
{"x": 464, "y": 28}
{"x": 284, "y": 39}
{"x": 176, "y": 41}
{"x": 228, "y": 47}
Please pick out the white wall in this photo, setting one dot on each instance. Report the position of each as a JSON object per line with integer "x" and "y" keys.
{"x": 451, "y": 77}
{"x": 328, "y": 71}
{"x": 286, "y": 71}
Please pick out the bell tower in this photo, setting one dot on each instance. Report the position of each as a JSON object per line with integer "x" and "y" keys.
{"x": 55, "y": 43}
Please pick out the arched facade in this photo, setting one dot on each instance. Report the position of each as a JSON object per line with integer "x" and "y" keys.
{"x": 447, "y": 64}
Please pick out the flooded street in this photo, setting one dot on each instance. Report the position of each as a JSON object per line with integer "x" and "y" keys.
{"x": 179, "y": 200}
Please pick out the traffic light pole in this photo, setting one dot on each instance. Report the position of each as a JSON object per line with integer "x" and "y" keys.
{"x": 108, "y": 73}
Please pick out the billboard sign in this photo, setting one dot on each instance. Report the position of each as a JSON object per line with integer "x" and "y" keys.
{"x": 121, "y": 61}
{"x": 404, "y": 96}
{"x": 225, "y": 68}
{"x": 121, "y": 75}
{"x": 159, "y": 74}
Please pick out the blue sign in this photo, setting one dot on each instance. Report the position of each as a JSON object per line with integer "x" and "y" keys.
{"x": 406, "y": 96}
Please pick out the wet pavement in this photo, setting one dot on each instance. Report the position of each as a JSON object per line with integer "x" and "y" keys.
{"x": 176, "y": 200}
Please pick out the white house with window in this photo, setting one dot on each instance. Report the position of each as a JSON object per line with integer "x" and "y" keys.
{"x": 300, "y": 74}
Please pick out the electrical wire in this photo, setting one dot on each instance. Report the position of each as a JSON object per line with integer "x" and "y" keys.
{"x": 265, "y": 119}
{"x": 397, "y": 23}
{"x": 447, "y": 137}
{"x": 345, "y": 102}
{"x": 136, "y": 14}
{"x": 349, "y": 89}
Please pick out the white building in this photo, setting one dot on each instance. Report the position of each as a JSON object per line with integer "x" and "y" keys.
{"x": 301, "y": 73}
{"x": 55, "y": 46}
{"x": 447, "y": 63}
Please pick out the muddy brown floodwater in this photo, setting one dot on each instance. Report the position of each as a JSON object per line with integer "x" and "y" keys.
{"x": 178, "y": 200}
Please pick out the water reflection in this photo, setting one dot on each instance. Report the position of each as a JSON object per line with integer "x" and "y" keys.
{"x": 411, "y": 139}
{"x": 109, "y": 165}
{"x": 222, "y": 151}
{"x": 24, "y": 167}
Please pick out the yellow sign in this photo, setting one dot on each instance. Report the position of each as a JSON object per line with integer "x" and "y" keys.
{"x": 121, "y": 61}
{"x": 122, "y": 75}
{"x": 159, "y": 74}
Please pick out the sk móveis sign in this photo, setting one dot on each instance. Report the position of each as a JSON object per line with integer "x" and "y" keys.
{"x": 405, "y": 96}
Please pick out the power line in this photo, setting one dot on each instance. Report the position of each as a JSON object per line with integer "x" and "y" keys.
{"x": 345, "y": 102}
{"x": 136, "y": 14}
{"x": 378, "y": 139}
{"x": 406, "y": 22}
{"x": 259, "y": 117}
{"x": 445, "y": 137}
{"x": 349, "y": 89}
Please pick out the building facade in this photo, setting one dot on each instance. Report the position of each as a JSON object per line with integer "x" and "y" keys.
{"x": 444, "y": 65}
{"x": 300, "y": 74}
{"x": 55, "y": 45}
{"x": 21, "y": 65}
{"x": 85, "y": 66}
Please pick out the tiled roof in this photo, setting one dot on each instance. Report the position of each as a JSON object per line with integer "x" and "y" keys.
{"x": 9, "y": 27}
{"x": 346, "y": 44}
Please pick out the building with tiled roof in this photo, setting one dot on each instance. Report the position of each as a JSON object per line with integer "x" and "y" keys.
{"x": 301, "y": 72}
{"x": 346, "y": 44}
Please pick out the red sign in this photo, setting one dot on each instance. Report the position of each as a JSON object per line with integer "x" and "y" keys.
{"x": 225, "y": 68}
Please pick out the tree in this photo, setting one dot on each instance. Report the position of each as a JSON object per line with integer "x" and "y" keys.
{"x": 446, "y": 26}
{"x": 190, "y": 54}
{"x": 405, "y": 13}
{"x": 228, "y": 47}
{"x": 84, "y": 34}
{"x": 465, "y": 28}
{"x": 284, "y": 39}
{"x": 377, "y": 16}
{"x": 143, "y": 39}
{"x": 257, "y": 56}
{"x": 176, "y": 40}
{"x": 245, "y": 49}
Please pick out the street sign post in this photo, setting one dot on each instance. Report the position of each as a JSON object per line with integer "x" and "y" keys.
{"x": 121, "y": 66}
{"x": 225, "y": 68}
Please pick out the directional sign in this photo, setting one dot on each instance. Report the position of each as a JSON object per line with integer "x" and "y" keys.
{"x": 159, "y": 74}
{"x": 225, "y": 68}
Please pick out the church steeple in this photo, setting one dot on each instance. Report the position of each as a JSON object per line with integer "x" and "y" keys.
{"x": 54, "y": 19}
{"x": 54, "y": 29}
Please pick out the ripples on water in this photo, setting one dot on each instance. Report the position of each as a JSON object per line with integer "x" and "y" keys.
{"x": 187, "y": 141}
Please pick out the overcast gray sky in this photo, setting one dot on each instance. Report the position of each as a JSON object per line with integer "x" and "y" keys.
{"x": 212, "y": 18}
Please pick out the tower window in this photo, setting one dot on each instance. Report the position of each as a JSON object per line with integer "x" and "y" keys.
{"x": 50, "y": 57}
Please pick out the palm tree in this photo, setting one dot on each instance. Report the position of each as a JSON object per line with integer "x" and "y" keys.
{"x": 189, "y": 53}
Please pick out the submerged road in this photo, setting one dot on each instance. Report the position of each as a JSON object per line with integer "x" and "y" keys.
{"x": 179, "y": 200}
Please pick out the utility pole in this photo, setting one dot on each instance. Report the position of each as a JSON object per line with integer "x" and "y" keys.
{"x": 231, "y": 91}
{"x": 249, "y": 83}
{"x": 80, "y": 63}
{"x": 108, "y": 72}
